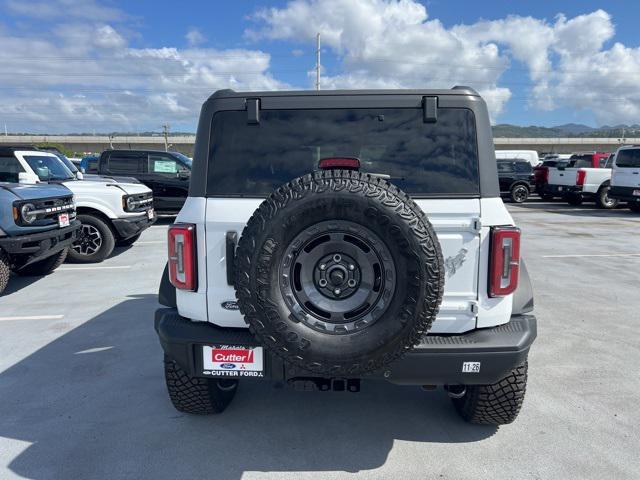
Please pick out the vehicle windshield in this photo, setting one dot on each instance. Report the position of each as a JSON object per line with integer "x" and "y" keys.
{"x": 183, "y": 158}
{"x": 67, "y": 163}
{"x": 49, "y": 168}
{"x": 423, "y": 159}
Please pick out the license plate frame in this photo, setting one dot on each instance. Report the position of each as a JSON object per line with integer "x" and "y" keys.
{"x": 230, "y": 361}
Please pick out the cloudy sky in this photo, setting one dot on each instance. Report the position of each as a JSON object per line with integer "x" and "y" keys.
{"x": 91, "y": 65}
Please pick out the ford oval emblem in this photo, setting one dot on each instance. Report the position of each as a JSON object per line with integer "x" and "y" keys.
{"x": 230, "y": 305}
{"x": 228, "y": 366}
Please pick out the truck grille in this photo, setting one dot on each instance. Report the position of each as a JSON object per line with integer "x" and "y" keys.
{"x": 141, "y": 202}
{"x": 46, "y": 210}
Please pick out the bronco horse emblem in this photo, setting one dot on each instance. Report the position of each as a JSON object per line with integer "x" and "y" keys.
{"x": 452, "y": 264}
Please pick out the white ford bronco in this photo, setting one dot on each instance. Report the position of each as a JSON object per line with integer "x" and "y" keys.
{"x": 110, "y": 213}
{"x": 333, "y": 237}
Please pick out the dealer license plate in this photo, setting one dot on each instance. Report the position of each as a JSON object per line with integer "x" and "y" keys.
{"x": 150, "y": 213}
{"x": 63, "y": 220}
{"x": 232, "y": 361}
{"x": 636, "y": 193}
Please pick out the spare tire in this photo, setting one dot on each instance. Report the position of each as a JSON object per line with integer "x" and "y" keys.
{"x": 339, "y": 273}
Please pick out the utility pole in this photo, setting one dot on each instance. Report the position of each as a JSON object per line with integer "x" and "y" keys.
{"x": 165, "y": 132}
{"x": 318, "y": 61}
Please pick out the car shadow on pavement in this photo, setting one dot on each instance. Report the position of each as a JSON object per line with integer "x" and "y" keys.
{"x": 18, "y": 282}
{"x": 93, "y": 404}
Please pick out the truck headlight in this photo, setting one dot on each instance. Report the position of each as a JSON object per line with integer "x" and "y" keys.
{"x": 131, "y": 203}
{"x": 26, "y": 213}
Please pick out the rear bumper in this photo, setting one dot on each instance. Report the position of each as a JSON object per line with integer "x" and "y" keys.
{"x": 624, "y": 193}
{"x": 34, "y": 247}
{"x": 128, "y": 227}
{"x": 437, "y": 360}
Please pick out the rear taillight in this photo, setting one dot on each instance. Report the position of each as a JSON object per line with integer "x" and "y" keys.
{"x": 183, "y": 272}
{"x": 504, "y": 264}
{"x": 545, "y": 174}
{"x": 580, "y": 176}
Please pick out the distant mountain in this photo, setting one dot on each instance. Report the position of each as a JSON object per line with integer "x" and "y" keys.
{"x": 567, "y": 130}
{"x": 574, "y": 128}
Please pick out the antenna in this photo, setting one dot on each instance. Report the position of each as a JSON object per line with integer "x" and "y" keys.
{"x": 318, "y": 61}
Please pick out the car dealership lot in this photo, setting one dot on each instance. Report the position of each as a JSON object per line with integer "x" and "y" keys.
{"x": 82, "y": 393}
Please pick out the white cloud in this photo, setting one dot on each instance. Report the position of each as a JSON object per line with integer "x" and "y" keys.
{"x": 106, "y": 37}
{"x": 80, "y": 70}
{"x": 389, "y": 44}
{"x": 84, "y": 77}
{"x": 394, "y": 44}
{"x": 195, "y": 37}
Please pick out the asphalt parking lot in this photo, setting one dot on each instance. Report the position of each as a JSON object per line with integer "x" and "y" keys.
{"x": 82, "y": 393}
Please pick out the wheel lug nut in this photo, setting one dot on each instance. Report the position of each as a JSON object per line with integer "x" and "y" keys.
{"x": 323, "y": 266}
{"x": 351, "y": 266}
{"x": 337, "y": 291}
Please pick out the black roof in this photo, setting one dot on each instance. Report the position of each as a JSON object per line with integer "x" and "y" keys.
{"x": 456, "y": 90}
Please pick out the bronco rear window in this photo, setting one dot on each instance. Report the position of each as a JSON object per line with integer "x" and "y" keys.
{"x": 423, "y": 159}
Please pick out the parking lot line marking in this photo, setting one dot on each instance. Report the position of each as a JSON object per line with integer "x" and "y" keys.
{"x": 118, "y": 267}
{"x": 33, "y": 317}
{"x": 594, "y": 255}
{"x": 93, "y": 350}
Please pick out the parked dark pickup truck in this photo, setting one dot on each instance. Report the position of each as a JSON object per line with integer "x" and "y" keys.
{"x": 167, "y": 174}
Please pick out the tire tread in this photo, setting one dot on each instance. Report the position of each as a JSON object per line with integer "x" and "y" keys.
{"x": 496, "y": 404}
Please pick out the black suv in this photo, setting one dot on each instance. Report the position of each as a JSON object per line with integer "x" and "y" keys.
{"x": 516, "y": 179}
{"x": 167, "y": 174}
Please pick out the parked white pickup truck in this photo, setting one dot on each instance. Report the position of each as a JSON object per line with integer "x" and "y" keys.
{"x": 110, "y": 212}
{"x": 583, "y": 177}
{"x": 625, "y": 181}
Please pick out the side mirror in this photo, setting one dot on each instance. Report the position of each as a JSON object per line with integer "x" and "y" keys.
{"x": 79, "y": 175}
{"x": 184, "y": 175}
{"x": 27, "y": 178}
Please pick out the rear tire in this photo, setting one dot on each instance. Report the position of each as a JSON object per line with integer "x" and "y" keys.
{"x": 519, "y": 193}
{"x": 129, "y": 241}
{"x": 5, "y": 271}
{"x": 635, "y": 207}
{"x": 574, "y": 199}
{"x": 604, "y": 200}
{"x": 95, "y": 241}
{"x": 496, "y": 404}
{"x": 199, "y": 396}
{"x": 44, "y": 267}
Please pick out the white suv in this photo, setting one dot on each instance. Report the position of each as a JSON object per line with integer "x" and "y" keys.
{"x": 330, "y": 237}
{"x": 110, "y": 212}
